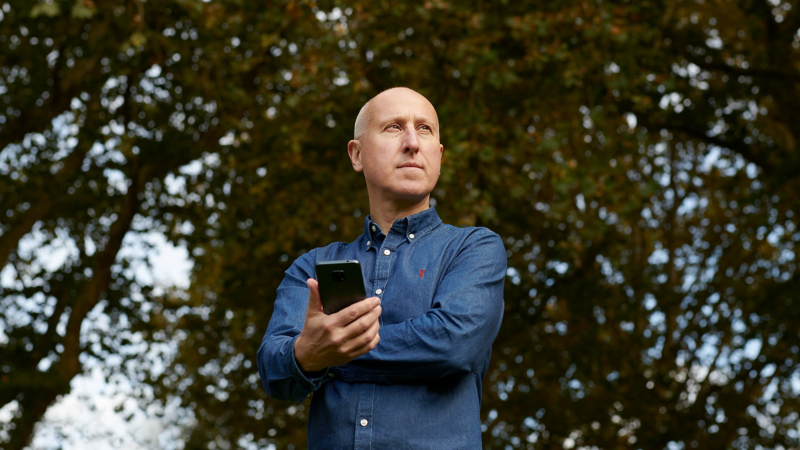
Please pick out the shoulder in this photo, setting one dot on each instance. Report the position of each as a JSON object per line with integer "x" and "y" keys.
{"x": 340, "y": 250}
{"x": 473, "y": 234}
{"x": 469, "y": 239}
{"x": 334, "y": 250}
{"x": 475, "y": 253}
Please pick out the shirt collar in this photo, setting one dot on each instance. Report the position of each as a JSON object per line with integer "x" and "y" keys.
{"x": 414, "y": 225}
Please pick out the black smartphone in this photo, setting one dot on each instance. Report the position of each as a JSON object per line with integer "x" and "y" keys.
{"x": 340, "y": 284}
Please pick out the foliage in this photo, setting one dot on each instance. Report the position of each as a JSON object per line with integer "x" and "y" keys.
{"x": 638, "y": 158}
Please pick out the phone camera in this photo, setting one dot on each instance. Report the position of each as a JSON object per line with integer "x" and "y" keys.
{"x": 338, "y": 276}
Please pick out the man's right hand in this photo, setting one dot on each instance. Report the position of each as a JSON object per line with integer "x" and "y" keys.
{"x": 336, "y": 339}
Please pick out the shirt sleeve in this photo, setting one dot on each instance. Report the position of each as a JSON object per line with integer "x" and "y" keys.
{"x": 281, "y": 376}
{"x": 457, "y": 333}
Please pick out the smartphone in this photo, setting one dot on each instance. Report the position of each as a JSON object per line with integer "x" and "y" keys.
{"x": 340, "y": 284}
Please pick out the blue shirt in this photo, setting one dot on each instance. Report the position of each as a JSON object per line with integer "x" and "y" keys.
{"x": 441, "y": 291}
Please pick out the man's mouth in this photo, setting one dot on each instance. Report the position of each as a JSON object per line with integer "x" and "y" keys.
{"x": 410, "y": 165}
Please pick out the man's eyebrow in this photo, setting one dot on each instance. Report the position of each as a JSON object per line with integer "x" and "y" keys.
{"x": 424, "y": 119}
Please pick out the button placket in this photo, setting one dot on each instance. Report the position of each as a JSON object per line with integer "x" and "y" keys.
{"x": 382, "y": 266}
{"x": 364, "y": 409}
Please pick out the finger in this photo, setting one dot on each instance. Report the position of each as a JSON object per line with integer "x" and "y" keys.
{"x": 354, "y": 311}
{"x": 314, "y": 302}
{"x": 362, "y": 324}
{"x": 366, "y": 348}
{"x": 360, "y": 340}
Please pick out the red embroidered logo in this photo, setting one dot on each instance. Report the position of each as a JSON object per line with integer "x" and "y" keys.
{"x": 422, "y": 273}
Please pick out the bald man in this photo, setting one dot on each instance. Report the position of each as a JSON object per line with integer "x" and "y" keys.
{"x": 401, "y": 369}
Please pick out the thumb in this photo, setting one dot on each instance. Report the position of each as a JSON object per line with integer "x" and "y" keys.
{"x": 314, "y": 302}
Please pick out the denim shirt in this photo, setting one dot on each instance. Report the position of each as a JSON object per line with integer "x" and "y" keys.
{"x": 441, "y": 291}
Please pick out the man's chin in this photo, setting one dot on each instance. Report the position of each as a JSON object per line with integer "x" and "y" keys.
{"x": 405, "y": 191}
{"x": 410, "y": 196}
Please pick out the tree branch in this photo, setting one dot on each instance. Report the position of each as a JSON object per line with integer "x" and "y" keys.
{"x": 89, "y": 296}
{"x": 43, "y": 201}
{"x": 737, "y": 146}
{"x": 792, "y": 77}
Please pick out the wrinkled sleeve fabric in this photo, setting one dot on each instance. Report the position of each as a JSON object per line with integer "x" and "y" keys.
{"x": 280, "y": 374}
{"x": 457, "y": 333}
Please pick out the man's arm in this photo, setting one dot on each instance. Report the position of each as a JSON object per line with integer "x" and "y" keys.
{"x": 456, "y": 334}
{"x": 302, "y": 341}
{"x": 281, "y": 376}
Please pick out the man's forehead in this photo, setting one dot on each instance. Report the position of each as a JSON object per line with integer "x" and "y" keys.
{"x": 401, "y": 101}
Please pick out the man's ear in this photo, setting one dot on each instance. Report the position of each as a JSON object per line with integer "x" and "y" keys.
{"x": 354, "y": 151}
{"x": 441, "y": 158}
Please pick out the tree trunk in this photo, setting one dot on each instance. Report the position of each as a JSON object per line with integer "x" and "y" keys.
{"x": 34, "y": 402}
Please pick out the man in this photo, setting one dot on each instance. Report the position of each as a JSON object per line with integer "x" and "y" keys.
{"x": 401, "y": 369}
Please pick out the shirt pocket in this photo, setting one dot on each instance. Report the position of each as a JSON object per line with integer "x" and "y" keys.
{"x": 409, "y": 294}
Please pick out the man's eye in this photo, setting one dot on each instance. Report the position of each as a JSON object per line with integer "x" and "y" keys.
{"x": 394, "y": 126}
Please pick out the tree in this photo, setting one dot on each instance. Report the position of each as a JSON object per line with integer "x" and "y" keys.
{"x": 637, "y": 158}
{"x": 100, "y": 109}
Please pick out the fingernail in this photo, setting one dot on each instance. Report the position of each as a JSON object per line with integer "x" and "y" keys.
{"x": 377, "y": 301}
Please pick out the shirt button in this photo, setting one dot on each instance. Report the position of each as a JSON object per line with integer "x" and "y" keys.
{"x": 379, "y": 291}
{"x": 373, "y": 228}
{"x": 386, "y": 252}
{"x": 364, "y": 422}
{"x": 411, "y": 236}
{"x": 369, "y": 242}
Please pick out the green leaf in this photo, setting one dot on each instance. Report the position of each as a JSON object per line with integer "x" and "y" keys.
{"x": 81, "y": 11}
{"x": 45, "y": 9}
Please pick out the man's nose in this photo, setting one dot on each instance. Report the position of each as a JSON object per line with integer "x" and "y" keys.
{"x": 410, "y": 140}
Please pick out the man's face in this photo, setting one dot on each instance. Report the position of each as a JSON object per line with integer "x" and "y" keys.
{"x": 400, "y": 152}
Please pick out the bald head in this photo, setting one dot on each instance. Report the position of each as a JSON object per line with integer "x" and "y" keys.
{"x": 364, "y": 116}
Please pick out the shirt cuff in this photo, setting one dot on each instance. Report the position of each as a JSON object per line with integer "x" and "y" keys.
{"x": 309, "y": 380}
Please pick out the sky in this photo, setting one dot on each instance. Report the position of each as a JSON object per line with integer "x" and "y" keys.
{"x": 96, "y": 414}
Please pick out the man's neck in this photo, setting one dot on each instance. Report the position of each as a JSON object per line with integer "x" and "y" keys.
{"x": 385, "y": 213}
